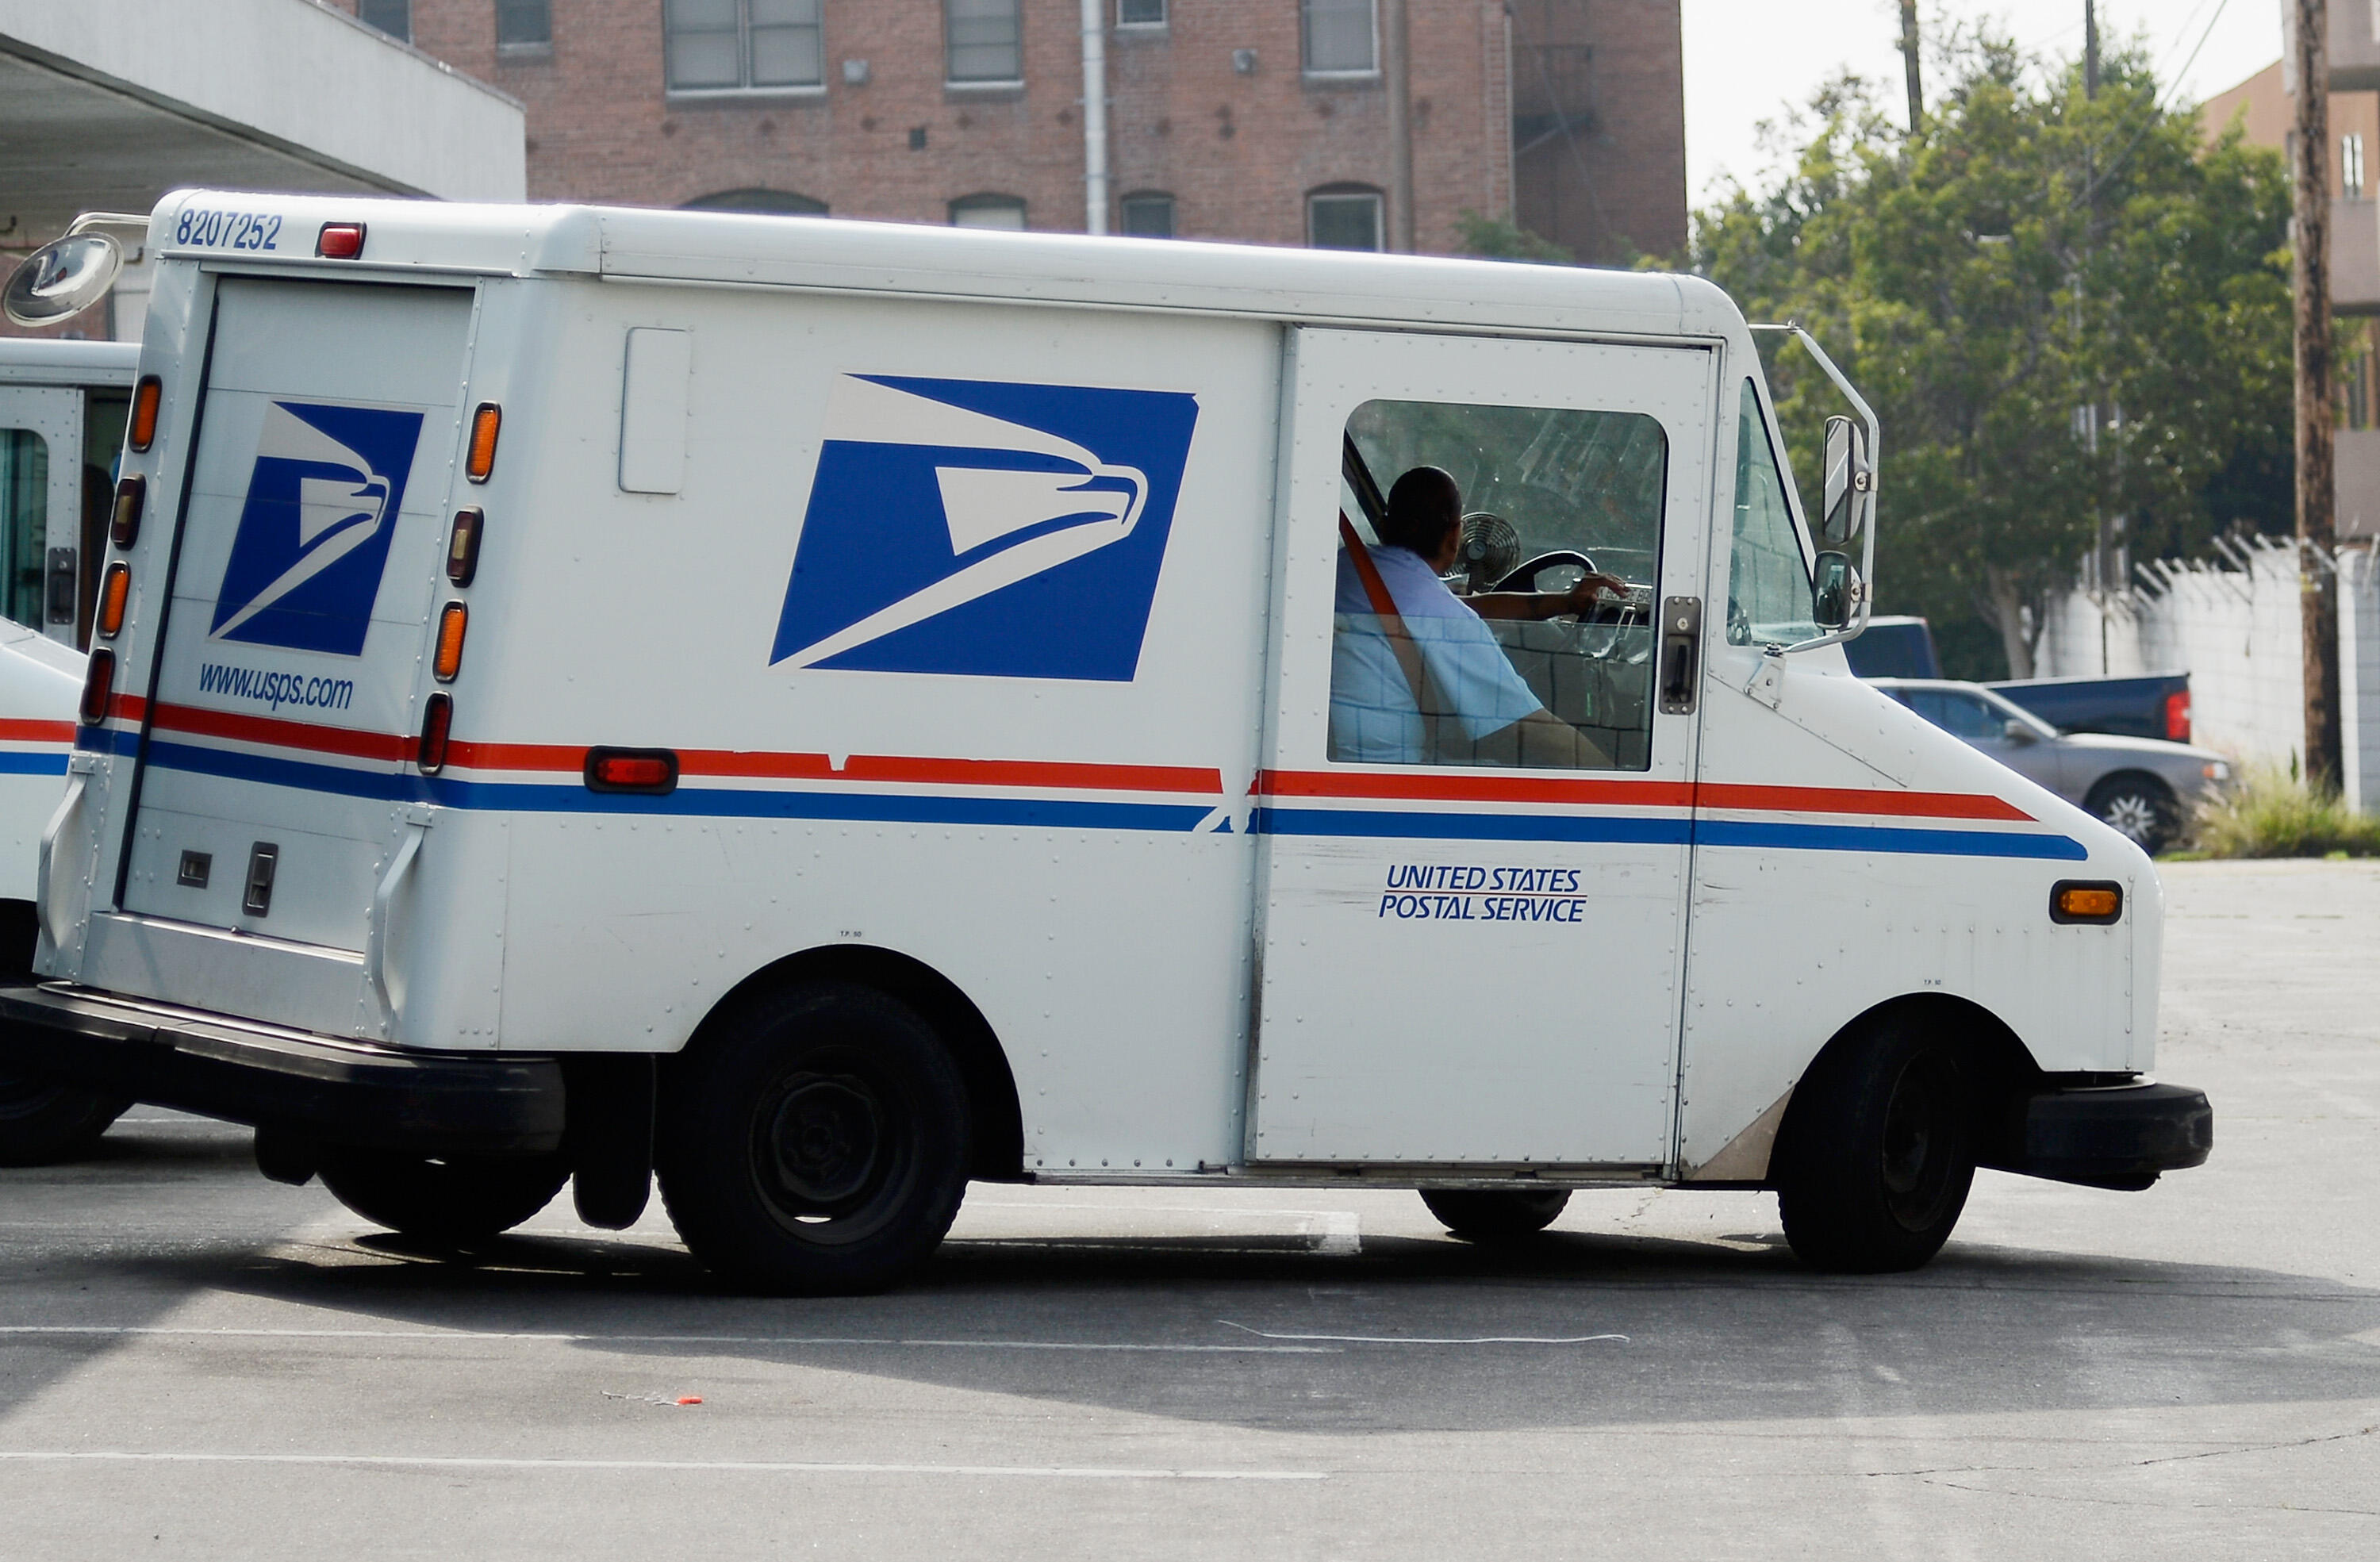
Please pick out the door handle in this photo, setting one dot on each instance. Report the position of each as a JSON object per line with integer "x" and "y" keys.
{"x": 1681, "y": 640}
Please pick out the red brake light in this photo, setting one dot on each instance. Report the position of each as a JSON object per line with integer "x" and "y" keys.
{"x": 340, "y": 241}
{"x": 437, "y": 719}
{"x": 2176, "y": 715}
{"x": 650, "y": 771}
{"x": 98, "y": 687}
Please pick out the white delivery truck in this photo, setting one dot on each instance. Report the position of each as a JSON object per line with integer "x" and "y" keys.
{"x": 822, "y": 711}
{"x": 63, "y": 406}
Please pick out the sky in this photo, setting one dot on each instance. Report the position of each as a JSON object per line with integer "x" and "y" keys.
{"x": 1745, "y": 60}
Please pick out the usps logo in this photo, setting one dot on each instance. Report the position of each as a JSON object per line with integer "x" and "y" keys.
{"x": 313, "y": 536}
{"x": 979, "y": 527}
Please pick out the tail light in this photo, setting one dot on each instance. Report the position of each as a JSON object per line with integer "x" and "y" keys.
{"x": 2176, "y": 715}
{"x": 113, "y": 592}
{"x": 145, "y": 398}
{"x": 463, "y": 546}
{"x": 437, "y": 719}
{"x": 131, "y": 495}
{"x": 340, "y": 241}
{"x": 448, "y": 659}
{"x": 650, "y": 771}
{"x": 98, "y": 687}
{"x": 480, "y": 461}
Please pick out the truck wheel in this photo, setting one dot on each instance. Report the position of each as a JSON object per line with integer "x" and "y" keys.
{"x": 41, "y": 1123}
{"x": 452, "y": 1202}
{"x": 1879, "y": 1152}
{"x": 813, "y": 1139}
{"x": 2138, "y": 806}
{"x": 1494, "y": 1214}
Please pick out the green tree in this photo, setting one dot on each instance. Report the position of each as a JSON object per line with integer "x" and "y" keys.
{"x": 2030, "y": 253}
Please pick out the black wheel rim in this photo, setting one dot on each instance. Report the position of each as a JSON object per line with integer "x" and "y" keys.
{"x": 1921, "y": 1142}
{"x": 831, "y": 1150}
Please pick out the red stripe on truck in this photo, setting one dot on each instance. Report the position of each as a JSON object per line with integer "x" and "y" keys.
{"x": 1443, "y": 788}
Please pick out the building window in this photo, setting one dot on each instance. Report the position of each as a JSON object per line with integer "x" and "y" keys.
{"x": 782, "y": 203}
{"x": 2350, "y": 166}
{"x": 1341, "y": 38}
{"x": 1343, "y": 219}
{"x": 1140, "y": 13}
{"x": 743, "y": 46}
{"x": 392, "y": 17}
{"x": 524, "y": 26}
{"x": 1149, "y": 214}
{"x": 983, "y": 40}
{"x": 988, "y": 212}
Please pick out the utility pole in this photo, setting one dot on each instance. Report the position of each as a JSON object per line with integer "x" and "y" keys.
{"x": 2090, "y": 48}
{"x": 1909, "y": 63}
{"x": 2318, "y": 535}
{"x": 1398, "y": 67}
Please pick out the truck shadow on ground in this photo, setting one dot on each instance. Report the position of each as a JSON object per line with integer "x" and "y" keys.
{"x": 1416, "y": 1333}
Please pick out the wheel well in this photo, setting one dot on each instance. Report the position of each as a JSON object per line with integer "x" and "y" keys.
{"x": 992, "y": 1089}
{"x": 2153, "y": 784}
{"x": 1999, "y": 1063}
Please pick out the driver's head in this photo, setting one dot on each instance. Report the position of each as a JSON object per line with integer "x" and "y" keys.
{"x": 1424, "y": 506}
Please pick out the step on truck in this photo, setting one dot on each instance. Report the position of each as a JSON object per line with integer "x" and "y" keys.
{"x": 809, "y": 713}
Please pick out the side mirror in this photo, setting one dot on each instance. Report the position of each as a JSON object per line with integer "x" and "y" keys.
{"x": 2018, "y": 732}
{"x": 1835, "y": 591}
{"x": 61, "y": 279}
{"x": 1850, "y": 482}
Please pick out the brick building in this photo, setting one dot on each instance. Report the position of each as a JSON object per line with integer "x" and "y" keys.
{"x": 1276, "y": 121}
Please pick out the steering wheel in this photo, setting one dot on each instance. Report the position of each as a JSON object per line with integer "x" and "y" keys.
{"x": 1524, "y": 576}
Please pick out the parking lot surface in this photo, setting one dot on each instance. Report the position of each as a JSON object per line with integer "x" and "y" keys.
{"x": 195, "y": 1362}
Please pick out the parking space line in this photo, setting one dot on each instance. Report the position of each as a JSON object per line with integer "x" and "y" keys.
{"x": 724, "y": 1466}
{"x": 790, "y": 1341}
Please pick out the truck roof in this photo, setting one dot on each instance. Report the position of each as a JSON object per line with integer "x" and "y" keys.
{"x": 43, "y": 360}
{"x": 1312, "y": 285}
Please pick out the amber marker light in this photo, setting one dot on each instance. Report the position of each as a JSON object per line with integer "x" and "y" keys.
{"x": 145, "y": 399}
{"x": 131, "y": 494}
{"x": 448, "y": 661}
{"x": 481, "y": 460}
{"x": 98, "y": 687}
{"x": 114, "y": 591}
{"x": 429, "y": 758}
{"x": 2072, "y": 900}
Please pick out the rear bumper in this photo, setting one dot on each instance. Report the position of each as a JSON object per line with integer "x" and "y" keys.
{"x": 337, "y": 1091}
{"x": 2112, "y": 1136}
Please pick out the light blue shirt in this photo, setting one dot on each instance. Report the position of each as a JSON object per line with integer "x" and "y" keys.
{"x": 1373, "y": 717}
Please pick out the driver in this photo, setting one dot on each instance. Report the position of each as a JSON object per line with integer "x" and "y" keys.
{"x": 1474, "y": 708}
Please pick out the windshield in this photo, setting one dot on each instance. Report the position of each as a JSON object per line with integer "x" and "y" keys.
{"x": 1769, "y": 601}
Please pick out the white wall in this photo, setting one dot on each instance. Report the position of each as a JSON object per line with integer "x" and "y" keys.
{"x": 297, "y": 74}
{"x": 2234, "y": 628}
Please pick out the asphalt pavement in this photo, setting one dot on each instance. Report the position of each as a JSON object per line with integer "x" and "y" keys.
{"x": 197, "y": 1362}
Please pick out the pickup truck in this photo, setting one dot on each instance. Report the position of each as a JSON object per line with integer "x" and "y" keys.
{"x": 2156, "y": 706}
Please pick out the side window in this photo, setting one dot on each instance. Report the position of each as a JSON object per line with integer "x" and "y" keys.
{"x": 1483, "y": 655}
{"x": 1769, "y": 596}
{"x": 1961, "y": 715}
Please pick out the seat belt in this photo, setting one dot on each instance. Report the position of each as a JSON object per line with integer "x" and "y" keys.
{"x": 1392, "y": 625}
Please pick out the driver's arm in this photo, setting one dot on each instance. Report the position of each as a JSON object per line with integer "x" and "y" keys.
{"x": 1536, "y": 605}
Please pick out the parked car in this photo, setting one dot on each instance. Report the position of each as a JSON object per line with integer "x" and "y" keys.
{"x": 2155, "y": 706}
{"x": 2140, "y": 786}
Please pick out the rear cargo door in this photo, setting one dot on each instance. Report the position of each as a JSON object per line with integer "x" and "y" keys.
{"x": 275, "y": 764}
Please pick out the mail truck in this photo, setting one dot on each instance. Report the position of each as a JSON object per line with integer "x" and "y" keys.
{"x": 809, "y": 713}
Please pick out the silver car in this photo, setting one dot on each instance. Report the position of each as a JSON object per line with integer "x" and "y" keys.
{"x": 2139, "y": 786}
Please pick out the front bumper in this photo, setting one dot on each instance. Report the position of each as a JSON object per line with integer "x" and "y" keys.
{"x": 2109, "y": 1137}
{"x": 336, "y": 1092}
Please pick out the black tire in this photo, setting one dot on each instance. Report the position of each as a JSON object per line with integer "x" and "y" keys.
{"x": 2137, "y": 806}
{"x": 813, "y": 1139}
{"x": 453, "y": 1203}
{"x": 1494, "y": 1214}
{"x": 1878, "y": 1151}
{"x": 41, "y": 1123}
